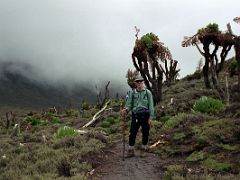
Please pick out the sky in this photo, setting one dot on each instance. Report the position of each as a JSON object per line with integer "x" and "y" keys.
{"x": 92, "y": 40}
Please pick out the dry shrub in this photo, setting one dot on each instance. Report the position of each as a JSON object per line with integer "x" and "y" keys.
{"x": 64, "y": 167}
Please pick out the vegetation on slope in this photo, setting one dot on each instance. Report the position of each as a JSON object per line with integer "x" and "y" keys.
{"x": 207, "y": 142}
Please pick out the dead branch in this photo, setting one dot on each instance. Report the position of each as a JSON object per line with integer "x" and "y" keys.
{"x": 97, "y": 115}
{"x": 137, "y": 31}
{"x": 101, "y": 101}
{"x": 156, "y": 143}
{"x": 230, "y": 30}
{"x": 16, "y": 130}
{"x": 106, "y": 92}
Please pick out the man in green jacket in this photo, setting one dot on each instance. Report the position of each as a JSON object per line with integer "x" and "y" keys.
{"x": 140, "y": 103}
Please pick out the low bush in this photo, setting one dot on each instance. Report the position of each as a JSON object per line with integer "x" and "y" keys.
{"x": 233, "y": 67}
{"x": 56, "y": 120}
{"x": 19, "y": 150}
{"x": 156, "y": 124}
{"x": 173, "y": 172}
{"x": 207, "y": 105}
{"x": 218, "y": 166}
{"x": 86, "y": 106}
{"x": 111, "y": 120}
{"x": 33, "y": 120}
{"x": 64, "y": 167}
{"x": 216, "y": 130}
{"x": 164, "y": 119}
{"x": 105, "y": 124}
{"x": 72, "y": 113}
{"x": 227, "y": 147}
{"x": 65, "y": 131}
{"x": 196, "y": 75}
{"x": 175, "y": 121}
{"x": 108, "y": 122}
{"x": 196, "y": 156}
{"x": 179, "y": 136}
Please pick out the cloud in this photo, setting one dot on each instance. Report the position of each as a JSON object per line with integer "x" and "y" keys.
{"x": 92, "y": 41}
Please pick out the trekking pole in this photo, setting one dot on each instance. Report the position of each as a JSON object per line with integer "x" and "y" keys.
{"x": 123, "y": 131}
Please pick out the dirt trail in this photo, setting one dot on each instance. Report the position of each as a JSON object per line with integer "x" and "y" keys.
{"x": 134, "y": 168}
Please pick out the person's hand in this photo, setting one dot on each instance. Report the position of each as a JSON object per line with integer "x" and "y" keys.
{"x": 150, "y": 122}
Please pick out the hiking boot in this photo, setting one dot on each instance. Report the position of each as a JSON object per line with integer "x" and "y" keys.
{"x": 144, "y": 148}
{"x": 131, "y": 152}
{"x": 143, "y": 151}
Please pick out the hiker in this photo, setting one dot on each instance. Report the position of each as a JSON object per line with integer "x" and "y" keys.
{"x": 140, "y": 103}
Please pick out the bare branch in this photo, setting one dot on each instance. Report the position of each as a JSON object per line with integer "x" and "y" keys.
{"x": 96, "y": 116}
{"x": 230, "y": 30}
{"x": 198, "y": 48}
{"x": 190, "y": 41}
{"x": 137, "y": 31}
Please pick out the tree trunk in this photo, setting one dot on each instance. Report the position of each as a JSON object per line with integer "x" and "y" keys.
{"x": 205, "y": 74}
{"x": 227, "y": 90}
{"x": 237, "y": 51}
{"x": 206, "y": 66}
{"x": 158, "y": 96}
{"x": 223, "y": 56}
{"x": 216, "y": 81}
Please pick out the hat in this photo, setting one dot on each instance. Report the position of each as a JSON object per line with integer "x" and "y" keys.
{"x": 138, "y": 78}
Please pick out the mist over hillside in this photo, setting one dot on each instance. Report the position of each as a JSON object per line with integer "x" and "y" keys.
{"x": 20, "y": 87}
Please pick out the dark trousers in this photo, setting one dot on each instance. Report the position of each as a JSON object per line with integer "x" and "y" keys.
{"x": 135, "y": 125}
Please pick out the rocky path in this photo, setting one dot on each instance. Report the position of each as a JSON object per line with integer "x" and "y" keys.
{"x": 134, "y": 168}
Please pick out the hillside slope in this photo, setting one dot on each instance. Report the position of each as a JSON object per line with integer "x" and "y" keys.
{"x": 18, "y": 90}
{"x": 191, "y": 143}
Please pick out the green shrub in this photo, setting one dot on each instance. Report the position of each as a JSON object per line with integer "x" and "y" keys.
{"x": 56, "y": 120}
{"x": 50, "y": 114}
{"x": 105, "y": 124}
{"x": 86, "y": 106}
{"x": 175, "y": 121}
{"x": 227, "y": 147}
{"x": 207, "y": 105}
{"x": 156, "y": 124}
{"x": 171, "y": 123}
{"x": 196, "y": 75}
{"x": 72, "y": 113}
{"x": 65, "y": 131}
{"x": 52, "y": 117}
{"x": 233, "y": 64}
{"x": 196, "y": 156}
{"x": 19, "y": 150}
{"x": 218, "y": 166}
{"x": 217, "y": 130}
{"x": 148, "y": 39}
{"x": 33, "y": 120}
{"x": 164, "y": 119}
{"x": 233, "y": 67}
{"x": 210, "y": 28}
{"x": 111, "y": 120}
{"x": 179, "y": 136}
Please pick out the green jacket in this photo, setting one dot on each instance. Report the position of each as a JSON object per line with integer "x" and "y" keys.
{"x": 142, "y": 99}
